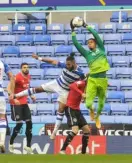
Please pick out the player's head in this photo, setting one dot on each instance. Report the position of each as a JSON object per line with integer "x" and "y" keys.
{"x": 70, "y": 62}
{"x": 25, "y": 68}
{"x": 92, "y": 44}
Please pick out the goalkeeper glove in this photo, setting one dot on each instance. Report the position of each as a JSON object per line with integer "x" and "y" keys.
{"x": 84, "y": 24}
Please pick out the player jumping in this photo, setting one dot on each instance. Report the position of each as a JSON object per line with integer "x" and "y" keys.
{"x": 75, "y": 119}
{"x": 98, "y": 64}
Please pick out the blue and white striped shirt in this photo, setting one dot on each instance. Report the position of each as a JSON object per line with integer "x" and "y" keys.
{"x": 67, "y": 77}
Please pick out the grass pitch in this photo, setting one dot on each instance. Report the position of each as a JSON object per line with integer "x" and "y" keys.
{"x": 65, "y": 158}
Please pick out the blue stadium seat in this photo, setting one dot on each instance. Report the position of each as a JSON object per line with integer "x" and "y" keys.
{"x": 52, "y": 73}
{"x": 33, "y": 109}
{"x": 24, "y": 40}
{"x": 89, "y": 36}
{"x": 83, "y": 109}
{"x": 36, "y": 83}
{"x": 128, "y": 49}
{"x": 48, "y": 119}
{"x": 37, "y": 74}
{"x": 126, "y": 85}
{"x": 112, "y": 39}
{"x": 85, "y": 69}
{"x": 93, "y": 25}
{"x": 63, "y": 50}
{"x": 42, "y": 98}
{"x": 14, "y": 62}
{"x": 1, "y": 51}
{"x": 123, "y": 119}
{"x": 20, "y": 29}
{"x": 44, "y": 65}
{"x": 7, "y": 40}
{"x": 123, "y": 73}
{"x": 41, "y": 40}
{"x": 74, "y": 49}
{"x": 116, "y": 49}
{"x": 61, "y": 39}
{"x": 5, "y": 29}
{"x": 126, "y": 38}
{"x": 15, "y": 71}
{"x": 130, "y": 59}
{"x": 111, "y": 73}
{"x": 109, "y": 60}
{"x": 128, "y": 97}
{"x": 81, "y": 61}
{"x": 120, "y": 61}
{"x": 130, "y": 17}
{"x": 107, "y": 28}
{"x": 115, "y": 16}
{"x": 107, "y": 119}
{"x": 67, "y": 29}
{"x": 33, "y": 63}
{"x": 45, "y": 51}
{"x": 37, "y": 28}
{"x": 45, "y": 109}
{"x": 37, "y": 17}
{"x": 54, "y": 97}
{"x": 4, "y": 84}
{"x": 55, "y": 28}
{"x": 80, "y": 38}
{"x": 36, "y": 119}
{"x": 114, "y": 85}
{"x": 21, "y": 18}
{"x": 124, "y": 27}
{"x": 10, "y": 51}
{"x": 27, "y": 51}
{"x": 115, "y": 96}
{"x": 119, "y": 109}
{"x": 106, "y": 110}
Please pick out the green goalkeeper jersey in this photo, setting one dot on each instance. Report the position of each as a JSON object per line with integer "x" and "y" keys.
{"x": 96, "y": 59}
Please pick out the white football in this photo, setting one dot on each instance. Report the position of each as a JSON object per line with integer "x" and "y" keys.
{"x": 77, "y": 22}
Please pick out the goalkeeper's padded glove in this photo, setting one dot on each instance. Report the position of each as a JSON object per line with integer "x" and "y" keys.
{"x": 84, "y": 24}
{"x": 72, "y": 27}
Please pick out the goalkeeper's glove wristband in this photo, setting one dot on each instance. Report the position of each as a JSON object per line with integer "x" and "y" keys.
{"x": 72, "y": 27}
{"x": 84, "y": 24}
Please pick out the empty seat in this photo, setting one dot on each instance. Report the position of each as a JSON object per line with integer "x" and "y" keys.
{"x": 15, "y": 71}
{"x": 120, "y": 61}
{"x": 111, "y": 73}
{"x": 44, "y": 65}
{"x": 55, "y": 28}
{"x": 48, "y": 119}
{"x": 83, "y": 109}
{"x": 33, "y": 109}
{"x": 41, "y": 40}
{"x": 81, "y": 61}
{"x": 126, "y": 85}
{"x": 115, "y": 96}
{"x": 80, "y": 38}
{"x": 123, "y": 73}
{"x": 13, "y": 62}
{"x": 54, "y": 97}
{"x": 128, "y": 49}
{"x": 59, "y": 39}
{"x": 20, "y": 28}
{"x": 37, "y": 17}
{"x": 116, "y": 49}
{"x": 52, "y": 73}
{"x": 5, "y": 29}
{"x": 130, "y": 59}
{"x": 4, "y": 84}
{"x": 130, "y": 17}
{"x": 112, "y": 39}
{"x": 63, "y": 50}
{"x": 36, "y": 83}
{"x": 67, "y": 29}
{"x": 109, "y": 58}
{"x": 107, "y": 28}
{"x": 124, "y": 27}
{"x": 123, "y": 119}
{"x": 106, "y": 110}
{"x": 45, "y": 50}
{"x": 27, "y": 51}
{"x": 33, "y": 63}
{"x": 42, "y": 98}
{"x": 126, "y": 38}
{"x": 37, "y": 28}
{"x": 44, "y": 109}
{"x": 36, "y": 74}
{"x": 115, "y": 16}
{"x": 107, "y": 119}
{"x": 93, "y": 25}
{"x": 10, "y": 51}
{"x": 74, "y": 49}
{"x": 114, "y": 85}
{"x": 7, "y": 40}
{"x": 36, "y": 119}
{"x": 89, "y": 36}
{"x": 119, "y": 109}
{"x": 24, "y": 40}
{"x": 21, "y": 18}
{"x": 128, "y": 97}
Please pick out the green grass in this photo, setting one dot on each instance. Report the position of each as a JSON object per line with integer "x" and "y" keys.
{"x": 65, "y": 158}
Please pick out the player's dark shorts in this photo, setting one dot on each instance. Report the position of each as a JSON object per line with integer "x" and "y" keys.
{"x": 75, "y": 118}
{"x": 20, "y": 112}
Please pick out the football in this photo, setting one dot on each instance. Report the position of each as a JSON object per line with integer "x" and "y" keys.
{"x": 77, "y": 22}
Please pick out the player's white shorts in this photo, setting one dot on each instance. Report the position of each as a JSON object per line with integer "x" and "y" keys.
{"x": 54, "y": 87}
{"x": 2, "y": 105}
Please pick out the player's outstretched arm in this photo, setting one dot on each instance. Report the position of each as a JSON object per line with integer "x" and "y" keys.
{"x": 47, "y": 60}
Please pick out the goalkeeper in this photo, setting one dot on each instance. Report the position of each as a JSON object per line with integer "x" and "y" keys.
{"x": 98, "y": 64}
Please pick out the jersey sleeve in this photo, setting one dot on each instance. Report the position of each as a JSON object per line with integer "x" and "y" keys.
{"x": 80, "y": 84}
{"x": 6, "y": 68}
{"x": 61, "y": 64}
{"x": 97, "y": 38}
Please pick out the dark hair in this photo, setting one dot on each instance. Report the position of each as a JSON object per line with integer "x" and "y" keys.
{"x": 71, "y": 57}
{"x": 92, "y": 39}
{"x": 24, "y": 63}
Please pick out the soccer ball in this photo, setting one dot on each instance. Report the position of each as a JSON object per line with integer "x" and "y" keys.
{"x": 77, "y": 22}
